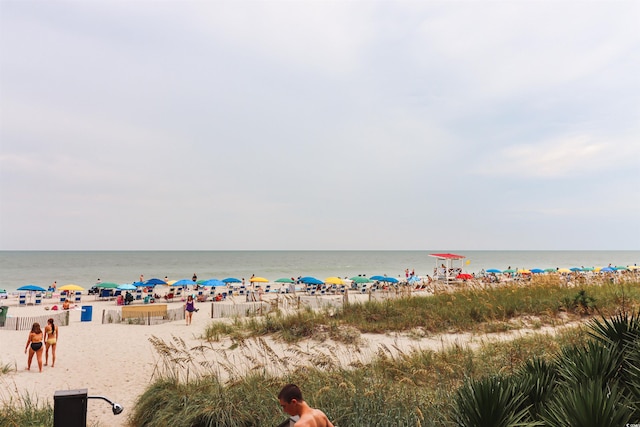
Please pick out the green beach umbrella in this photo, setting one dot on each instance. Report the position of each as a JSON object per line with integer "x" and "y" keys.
{"x": 284, "y": 280}
{"x": 107, "y": 285}
{"x": 621, "y": 267}
{"x": 360, "y": 279}
{"x": 550, "y": 270}
{"x": 509, "y": 271}
{"x": 588, "y": 268}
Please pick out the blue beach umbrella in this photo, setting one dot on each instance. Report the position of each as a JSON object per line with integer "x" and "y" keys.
{"x": 413, "y": 279}
{"x": 494, "y": 271}
{"x": 311, "y": 281}
{"x": 183, "y": 282}
{"x": 127, "y": 287}
{"x": 154, "y": 281}
{"x": 389, "y": 280}
{"x": 575, "y": 269}
{"x": 378, "y": 278}
{"x": 537, "y": 270}
{"x": 608, "y": 270}
{"x": 32, "y": 288}
{"x": 214, "y": 283}
{"x": 231, "y": 280}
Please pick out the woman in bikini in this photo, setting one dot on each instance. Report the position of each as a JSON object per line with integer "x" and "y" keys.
{"x": 34, "y": 345}
{"x": 51, "y": 338}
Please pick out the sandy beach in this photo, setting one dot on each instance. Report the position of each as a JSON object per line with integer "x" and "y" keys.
{"x": 118, "y": 360}
{"x": 112, "y": 360}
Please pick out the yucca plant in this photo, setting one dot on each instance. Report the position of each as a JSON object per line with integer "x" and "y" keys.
{"x": 618, "y": 332}
{"x": 491, "y": 401}
{"x": 590, "y": 361}
{"x": 590, "y": 404}
{"x": 536, "y": 379}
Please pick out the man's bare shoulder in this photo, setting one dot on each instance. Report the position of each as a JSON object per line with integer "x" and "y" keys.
{"x": 316, "y": 418}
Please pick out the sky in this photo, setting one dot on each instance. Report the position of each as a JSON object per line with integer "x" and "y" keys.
{"x": 319, "y": 125}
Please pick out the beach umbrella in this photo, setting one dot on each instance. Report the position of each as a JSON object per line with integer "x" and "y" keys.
{"x": 183, "y": 282}
{"x": 284, "y": 280}
{"x": 633, "y": 267}
{"x": 308, "y": 280}
{"x": 588, "y": 268}
{"x": 378, "y": 278}
{"x": 413, "y": 279}
{"x": 389, "y": 280}
{"x": 564, "y": 270}
{"x": 464, "y": 276}
{"x": 334, "y": 281}
{"x": 494, "y": 270}
{"x": 33, "y": 288}
{"x": 360, "y": 279}
{"x": 510, "y": 271}
{"x": 231, "y": 280}
{"x": 71, "y": 287}
{"x": 154, "y": 281}
{"x": 139, "y": 284}
{"x": 607, "y": 270}
{"x": 621, "y": 267}
{"x": 213, "y": 283}
{"x": 201, "y": 281}
{"x": 524, "y": 271}
{"x": 107, "y": 285}
{"x": 537, "y": 270}
{"x": 259, "y": 280}
{"x": 550, "y": 270}
{"x": 127, "y": 287}
{"x": 171, "y": 282}
{"x": 575, "y": 269}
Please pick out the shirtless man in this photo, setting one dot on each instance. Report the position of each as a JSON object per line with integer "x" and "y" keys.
{"x": 292, "y": 403}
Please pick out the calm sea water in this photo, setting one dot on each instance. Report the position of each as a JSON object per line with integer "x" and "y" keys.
{"x": 18, "y": 268}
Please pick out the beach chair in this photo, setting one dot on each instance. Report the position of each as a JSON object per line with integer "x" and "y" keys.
{"x": 22, "y": 299}
{"x": 63, "y": 297}
{"x": 38, "y": 298}
{"x": 78, "y": 297}
{"x": 138, "y": 293}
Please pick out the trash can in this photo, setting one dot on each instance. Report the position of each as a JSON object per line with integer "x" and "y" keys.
{"x": 87, "y": 311}
{"x": 3, "y": 314}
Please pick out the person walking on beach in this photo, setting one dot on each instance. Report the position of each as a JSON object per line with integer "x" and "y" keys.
{"x": 195, "y": 278}
{"x": 34, "y": 345}
{"x": 50, "y": 341}
{"x": 190, "y": 307}
{"x": 292, "y": 403}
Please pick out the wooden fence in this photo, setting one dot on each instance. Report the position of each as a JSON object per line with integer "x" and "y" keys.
{"x": 143, "y": 315}
{"x": 23, "y": 323}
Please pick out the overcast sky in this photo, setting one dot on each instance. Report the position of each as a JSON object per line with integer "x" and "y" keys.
{"x": 319, "y": 125}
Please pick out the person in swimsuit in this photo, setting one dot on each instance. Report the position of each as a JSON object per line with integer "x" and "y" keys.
{"x": 292, "y": 403}
{"x": 34, "y": 345}
{"x": 190, "y": 307}
{"x": 51, "y": 338}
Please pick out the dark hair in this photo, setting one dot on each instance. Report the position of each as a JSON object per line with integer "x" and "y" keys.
{"x": 53, "y": 326}
{"x": 290, "y": 392}
{"x": 35, "y": 328}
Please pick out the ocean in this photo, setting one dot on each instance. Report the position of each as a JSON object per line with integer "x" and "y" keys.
{"x": 84, "y": 268}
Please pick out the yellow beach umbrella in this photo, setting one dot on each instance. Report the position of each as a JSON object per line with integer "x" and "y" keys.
{"x": 524, "y": 271}
{"x": 334, "y": 281}
{"x": 633, "y": 267}
{"x": 171, "y": 282}
{"x": 597, "y": 269}
{"x": 71, "y": 287}
{"x": 564, "y": 270}
{"x": 259, "y": 279}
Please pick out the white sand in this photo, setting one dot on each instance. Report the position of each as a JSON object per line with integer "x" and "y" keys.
{"x": 118, "y": 360}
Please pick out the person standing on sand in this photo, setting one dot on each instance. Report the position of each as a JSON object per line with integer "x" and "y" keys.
{"x": 189, "y": 307}
{"x": 51, "y": 339}
{"x": 292, "y": 403}
{"x": 34, "y": 345}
